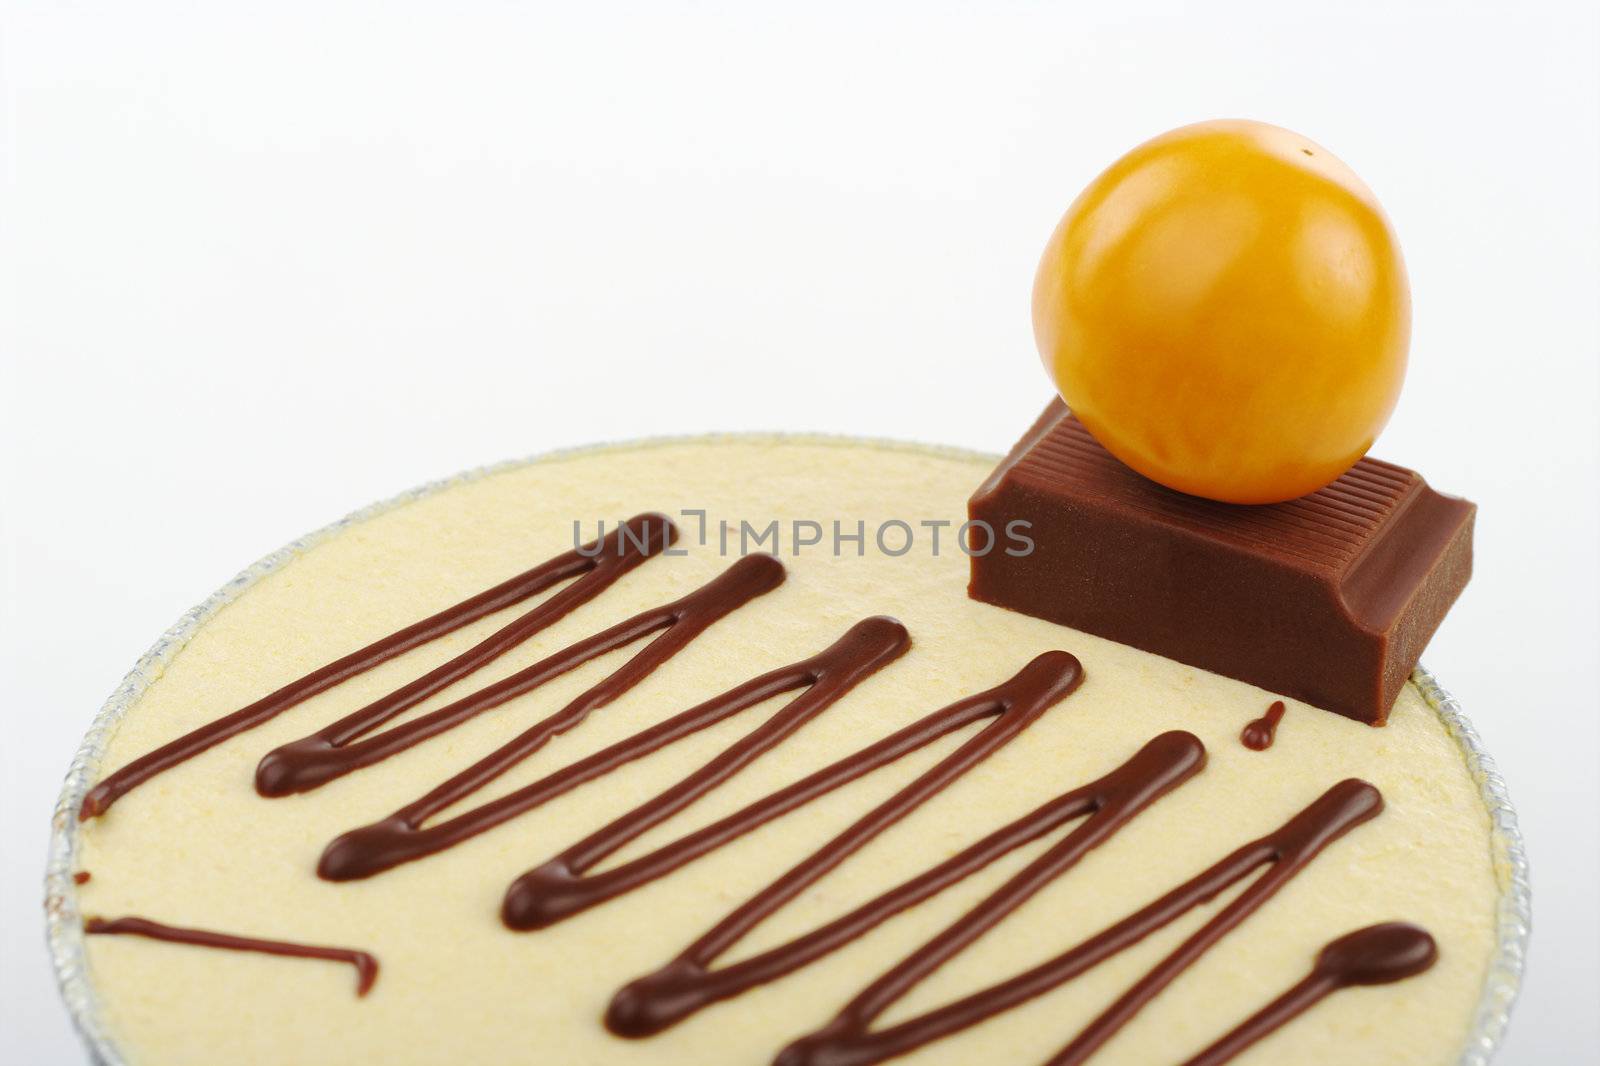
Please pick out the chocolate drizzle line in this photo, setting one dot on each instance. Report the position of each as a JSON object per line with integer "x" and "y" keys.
{"x": 366, "y": 966}
{"x": 596, "y": 567}
{"x": 1376, "y": 955}
{"x": 558, "y": 889}
{"x": 685, "y": 985}
{"x": 402, "y": 837}
{"x": 1259, "y": 734}
{"x": 848, "y": 1041}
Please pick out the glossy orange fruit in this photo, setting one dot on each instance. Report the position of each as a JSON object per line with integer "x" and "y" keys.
{"x": 1227, "y": 311}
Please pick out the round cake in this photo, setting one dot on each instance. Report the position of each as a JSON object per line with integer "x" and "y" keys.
{"x": 697, "y": 752}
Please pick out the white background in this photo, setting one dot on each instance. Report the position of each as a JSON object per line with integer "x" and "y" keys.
{"x": 265, "y": 267}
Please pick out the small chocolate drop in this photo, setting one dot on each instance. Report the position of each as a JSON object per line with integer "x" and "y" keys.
{"x": 1259, "y": 734}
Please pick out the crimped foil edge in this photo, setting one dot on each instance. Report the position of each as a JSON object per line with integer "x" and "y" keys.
{"x": 1514, "y": 917}
{"x": 64, "y": 920}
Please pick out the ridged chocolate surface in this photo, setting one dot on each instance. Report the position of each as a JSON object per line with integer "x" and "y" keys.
{"x": 1329, "y": 598}
{"x": 1326, "y": 530}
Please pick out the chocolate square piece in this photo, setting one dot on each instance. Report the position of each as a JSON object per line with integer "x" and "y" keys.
{"x": 1329, "y": 598}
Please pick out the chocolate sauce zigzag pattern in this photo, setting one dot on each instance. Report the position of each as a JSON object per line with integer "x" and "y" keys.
{"x": 566, "y": 884}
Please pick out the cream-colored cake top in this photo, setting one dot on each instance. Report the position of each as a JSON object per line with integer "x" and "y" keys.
{"x": 198, "y": 847}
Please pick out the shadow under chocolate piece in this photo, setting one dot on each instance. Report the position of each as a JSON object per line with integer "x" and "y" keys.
{"x": 1329, "y": 598}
